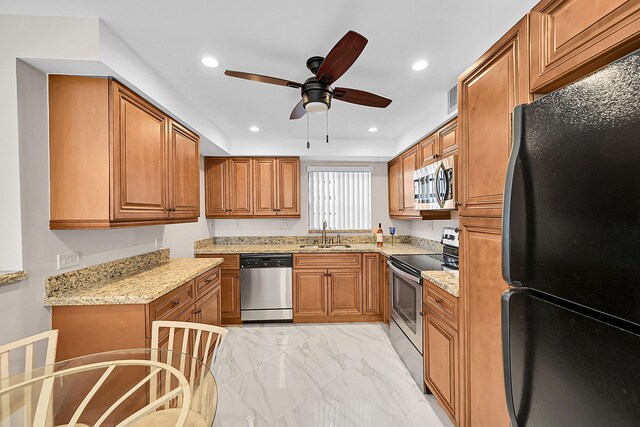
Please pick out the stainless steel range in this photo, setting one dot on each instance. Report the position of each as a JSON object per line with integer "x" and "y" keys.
{"x": 405, "y": 275}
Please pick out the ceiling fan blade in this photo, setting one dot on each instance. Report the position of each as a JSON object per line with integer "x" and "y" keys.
{"x": 298, "y": 111}
{"x": 360, "y": 97}
{"x": 341, "y": 57}
{"x": 262, "y": 79}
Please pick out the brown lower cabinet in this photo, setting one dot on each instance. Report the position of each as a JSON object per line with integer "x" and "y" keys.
{"x": 336, "y": 288}
{"x": 86, "y": 329}
{"x": 481, "y": 288}
{"x": 229, "y": 288}
{"x": 385, "y": 289}
{"x": 441, "y": 347}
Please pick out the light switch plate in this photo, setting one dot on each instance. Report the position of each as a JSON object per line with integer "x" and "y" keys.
{"x": 68, "y": 260}
{"x": 284, "y": 223}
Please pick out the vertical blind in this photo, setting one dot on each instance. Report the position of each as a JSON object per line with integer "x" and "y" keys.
{"x": 342, "y": 198}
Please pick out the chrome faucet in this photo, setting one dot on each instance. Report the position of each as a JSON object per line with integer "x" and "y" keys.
{"x": 324, "y": 232}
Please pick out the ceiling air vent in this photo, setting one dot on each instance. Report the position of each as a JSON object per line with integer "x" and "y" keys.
{"x": 452, "y": 100}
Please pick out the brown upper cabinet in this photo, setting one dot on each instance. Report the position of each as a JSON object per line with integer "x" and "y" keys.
{"x": 488, "y": 92}
{"x": 439, "y": 144}
{"x": 570, "y": 39}
{"x": 276, "y": 186}
{"x": 252, "y": 187}
{"x": 400, "y": 173}
{"x": 116, "y": 160}
{"x": 228, "y": 187}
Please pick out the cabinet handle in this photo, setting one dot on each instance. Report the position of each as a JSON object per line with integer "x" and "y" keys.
{"x": 208, "y": 281}
{"x": 176, "y": 302}
{"x": 329, "y": 274}
{"x": 196, "y": 311}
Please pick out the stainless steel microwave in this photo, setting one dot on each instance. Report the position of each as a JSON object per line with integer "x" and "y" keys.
{"x": 435, "y": 185}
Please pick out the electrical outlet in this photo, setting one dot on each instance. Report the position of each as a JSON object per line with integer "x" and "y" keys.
{"x": 429, "y": 225}
{"x": 159, "y": 242}
{"x": 284, "y": 223}
{"x": 68, "y": 260}
{"x": 211, "y": 224}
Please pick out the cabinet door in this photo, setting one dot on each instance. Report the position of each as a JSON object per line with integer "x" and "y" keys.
{"x": 428, "y": 151}
{"x": 345, "y": 292}
{"x": 309, "y": 294}
{"x": 371, "y": 275}
{"x": 289, "y": 187}
{"x": 570, "y": 39}
{"x": 240, "y": 187}
{"x": 441, "y": 361}
{"x": 488, "y": 93}
{"x": 264, "y": 186}
{"x": 448, "y": 139}
{"x": 216, "y": 175}
{"x": 140, "y": 163}
{"x": 409, "y": 162}
{"x": 230, "y": 297}
{"x": 208, "y": 308}
{"x": 481, "y": 287}
{"x": 184, "y": 167}
{"x": 395, "y": 193}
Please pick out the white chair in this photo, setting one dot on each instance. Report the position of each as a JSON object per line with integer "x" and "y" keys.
{"x": 49, "y": 382}
{"x": 199, "y": 341}
{"x": 28, "y": 346}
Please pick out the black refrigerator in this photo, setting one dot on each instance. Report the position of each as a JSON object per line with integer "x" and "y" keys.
{"x": 571, "y": 251}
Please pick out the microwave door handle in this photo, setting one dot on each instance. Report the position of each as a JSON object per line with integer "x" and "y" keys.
{"x": 440, "y": 171}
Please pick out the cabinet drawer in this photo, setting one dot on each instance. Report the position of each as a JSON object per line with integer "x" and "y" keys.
{"x": 337, "y": 260}
{"x": 440, "y": 303}
{"x": 231, "y": 261}
{"x": 207, "y": 281}
{"x": 165, "y": 307}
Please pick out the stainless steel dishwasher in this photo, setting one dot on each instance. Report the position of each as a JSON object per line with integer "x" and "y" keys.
{"x": 265, "y": 287}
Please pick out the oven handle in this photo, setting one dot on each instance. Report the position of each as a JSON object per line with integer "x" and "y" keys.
{"x": 403, "y": 274}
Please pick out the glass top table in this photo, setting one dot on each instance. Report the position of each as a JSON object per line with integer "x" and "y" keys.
{"x": 133, "y": 387}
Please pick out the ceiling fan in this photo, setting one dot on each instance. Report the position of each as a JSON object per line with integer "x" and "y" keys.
{"x": 317, "y": 91}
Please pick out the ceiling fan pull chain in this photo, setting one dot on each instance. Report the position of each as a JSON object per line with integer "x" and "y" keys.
{"x": 308, "y": 143}
{"x": 327, "y": 116}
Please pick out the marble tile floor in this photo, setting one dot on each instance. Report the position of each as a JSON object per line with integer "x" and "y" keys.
{"x": 320, "y": 375}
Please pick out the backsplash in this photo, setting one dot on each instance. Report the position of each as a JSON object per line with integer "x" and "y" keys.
{"x": 97, "y": 273}
{"x": 308, "y": 240}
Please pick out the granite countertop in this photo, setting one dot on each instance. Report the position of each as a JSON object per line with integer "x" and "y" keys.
{"x": 140, "y": 287}
{"x": 387, "y": 249}
{"x": 448, "y": 281}
{"x": 7, "y": 277}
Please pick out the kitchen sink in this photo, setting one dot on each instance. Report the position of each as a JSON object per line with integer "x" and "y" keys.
{"x": 325, "y": 246}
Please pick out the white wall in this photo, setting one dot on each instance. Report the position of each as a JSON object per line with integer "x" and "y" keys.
{"x": 22, "y": 302}
{"x": 63, "y": 38}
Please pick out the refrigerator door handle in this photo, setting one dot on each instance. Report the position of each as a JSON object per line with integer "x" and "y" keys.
{"x": 508, "y": 193}
{"x": 506, "y": 354}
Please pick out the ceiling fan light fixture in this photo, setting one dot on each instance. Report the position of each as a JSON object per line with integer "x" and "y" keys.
{"x": 316, "y": 107}
{"x": 420, "y": 64}
{"x": 210, "y": 61}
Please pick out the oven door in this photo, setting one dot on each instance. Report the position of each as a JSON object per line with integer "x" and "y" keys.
{"x": 406, "y": 304}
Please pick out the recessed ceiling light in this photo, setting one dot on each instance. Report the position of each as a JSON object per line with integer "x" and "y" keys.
{"x": 420, "y": 65}
{"x": 210, "y": 62}
{"x": 373, "y": 129}
{"x": 254, "y": 129}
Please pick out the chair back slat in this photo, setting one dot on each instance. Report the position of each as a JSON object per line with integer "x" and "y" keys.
{"x": 89, "y": 396}
{"x": 214, "y": 337}
{"x": 28, "y": 346}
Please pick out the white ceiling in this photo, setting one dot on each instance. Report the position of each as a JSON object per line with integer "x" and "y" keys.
{"x": 276, "y": 38}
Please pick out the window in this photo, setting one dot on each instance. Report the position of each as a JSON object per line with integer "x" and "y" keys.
{"x": 341, "y": 196}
